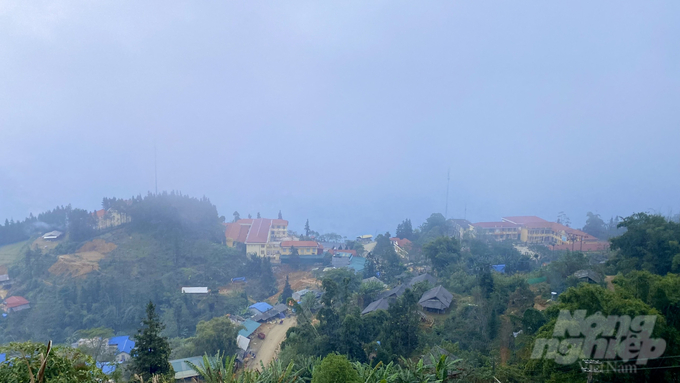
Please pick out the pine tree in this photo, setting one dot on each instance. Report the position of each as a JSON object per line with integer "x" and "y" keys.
{"x": 287, "y": 291}
{"x": 258, "y": 215}
{"x": 280, "y": 216}
{"x": 152, "y": 351}
{"x": 237, "y": 216}
{"x": 307, "y": 228}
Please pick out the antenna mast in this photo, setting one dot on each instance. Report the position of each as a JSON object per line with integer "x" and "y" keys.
{"x": 155, "y": 169}
{"x": 448, "y": 181}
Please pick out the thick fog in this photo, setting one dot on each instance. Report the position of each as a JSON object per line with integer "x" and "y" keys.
{"x": 347, "y": 113}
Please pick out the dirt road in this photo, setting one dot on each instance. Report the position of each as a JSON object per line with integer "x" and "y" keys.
{"x": 269, "y": 347}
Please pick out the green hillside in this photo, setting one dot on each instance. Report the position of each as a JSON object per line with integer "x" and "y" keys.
{"x": 106, "y": 279}
{"x": 12, "y": 252}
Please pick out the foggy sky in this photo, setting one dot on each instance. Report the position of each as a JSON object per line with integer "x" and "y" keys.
{"x": 348, "y": 114}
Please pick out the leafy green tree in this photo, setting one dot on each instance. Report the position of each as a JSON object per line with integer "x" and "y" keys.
{"x": 403, "y": 329}
{"x": 36, "y": 362}
{"x": 216, "y": 335}
{"x": 595, "y": 226}
{"x": 237, "y": 216}
{"x": 287, "y": 292}
{"x": 81, "y": 225}
{"x": 405, "y": 230}
{"x": 152, "y": 351}
{"x": 220, "y": 368}
{"x": 335, "y": 368}
{"x": 442, "y": 252}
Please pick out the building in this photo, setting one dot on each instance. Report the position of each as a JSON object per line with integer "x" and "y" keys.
{"x": 438, "y": 299}
{"x": 52, "y": 235}
{"x": 460, "y": 228}
{"x": 184, "y": 372}
{"x": 261, "y": 236}
{"x": 303, "y": 247}
{"x": 366, "y": 238}
{"x": 4, "y": 276}
{"x": 110, "y": 218}
{"x": 250, "y": 327}
{"x": 380, "y": 304}
{"x": 402, "y": 243}
{"x": 395, "y": 292}
{"x": 122, "y": 346}
{"x": 341, "y": 259}
{"x": 297, "y": 296}
{"x": 259, "y": 307}
{"x": 422, "y": 278}
{"x": 588, "y": 276}
{"x": 276, "y": 312}
{"x": 536, "y": 230}
{"x": 195, "y": 290}
{"x": 373, "y": 279}
{"x": 16, "y": 303}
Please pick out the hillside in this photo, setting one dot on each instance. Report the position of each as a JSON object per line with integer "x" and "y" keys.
{"x": 106, "y": 279}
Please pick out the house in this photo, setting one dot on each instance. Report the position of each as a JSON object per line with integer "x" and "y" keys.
{"x": 183, "y": 372}
{"x": 303, "y": 247}
{"x": 4, "y": 276}
{"x": 380, "y": 304}
{"x": 16, "y": 303}
{"x": 373, "y": 279}
{"x": 52, "y": 235}
{"x": 437, "y": 299}
{"x": 110, "y": 218}
{"x": 297, "y": 296}
{"x": 122, "y": 346}
{"x": 498, "y": 268}
{"x": 395, "y": 292}
{"x": 422, "y": 278}
{"x": 195, "y": 290}
{"x": 261, "y": 236}
{"x": 250, "y": 327}
{"x": 259, "y": 307}
{"x": 589, "y": 276}
{"x": 278, "y": 311}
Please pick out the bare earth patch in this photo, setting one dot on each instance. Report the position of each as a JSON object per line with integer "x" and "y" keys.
{"x": 85, "y": 261}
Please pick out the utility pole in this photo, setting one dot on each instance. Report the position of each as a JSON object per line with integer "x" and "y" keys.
{"x": 448, "y": 181}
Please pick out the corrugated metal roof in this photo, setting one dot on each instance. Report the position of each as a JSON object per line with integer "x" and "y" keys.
{"x": 261, "y": 306}
{"x": 250, "y": 327}
{"x": 380, "y": 304}
{"x": 124, "y": 343}
{"x": 182, "y": 369}
{"x": 259, "y": 231}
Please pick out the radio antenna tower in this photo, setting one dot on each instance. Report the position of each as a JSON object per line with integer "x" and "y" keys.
{"x": 448, "y": 181}
{"x": 155, "y": 169}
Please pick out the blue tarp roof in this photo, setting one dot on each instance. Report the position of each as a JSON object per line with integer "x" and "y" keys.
{"x": 261, "y": 306}
{"x": 250, "y": 327}
{"x": 107, "y": 368}
{"x": 499, "y": 268}
{"x": 124, "y": 343}
{"x": 2, "y": 358}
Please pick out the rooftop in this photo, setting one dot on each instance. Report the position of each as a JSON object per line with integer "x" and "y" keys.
{"x": 380, "y": 304}
{"x": 491, "y": 225}
{"x": 523, "y": 219}
{"x": 259, "y": 231}
{"x": 299, "y": 244}
{"x": 250, "y": 327}
{"x": 261, "y": 306}
{"x": 15, "y": 301}
{"x": 124, "y": 343}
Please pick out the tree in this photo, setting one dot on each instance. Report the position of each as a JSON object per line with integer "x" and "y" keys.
{"x": 595, "y": 226}
{"x": 294, "y": 257}
{"x": 250, "y": 216}
{"x": 563, "y": 219}
{"x": 335, "y": 368}
{"x": 61, "y": 364}
{"x": 216, "y": 335}
{"x": 307, "y": 230}
{"x": 442, "y": 252}
{"x": 405, "y": 230}
{"x": 81, "y": 225}
{"x": 152, "y": 351}
{"x": 280, "y": 216}
{"x": 237, "y": 216}
{"x": 258, "y": 215}
{"x": 287, "y": 292}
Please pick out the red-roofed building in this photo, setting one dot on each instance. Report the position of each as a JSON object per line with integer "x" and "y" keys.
{"x": 522, "y": 220}
{"x": 404, "y": 243}
{"x": 261, "y": 236}
{"x": 16, "y": 303}
{"x": 303, "y": 247}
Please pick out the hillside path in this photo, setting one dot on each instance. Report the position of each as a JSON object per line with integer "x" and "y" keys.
{"x": 269, "y": 347}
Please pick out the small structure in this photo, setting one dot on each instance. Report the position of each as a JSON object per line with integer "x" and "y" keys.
{"x": 122, "y": 346}
{"x": 16, "y": 303}
{"x": 297, "y": 296}
{"x": 403, "y": 243}
{"x": 498, "y": 268}
{"x": 589, "y": 276}
{"x": 277, "y": 311}
{"x": 242, "y": 342}
{"x": 438, "y": 299}
{"x": 422, "y": 278}
{"x": 195, "y": 290}
{"x": 380, "y": 304}
{"x": 52, "y": 235}
{"x": 239, "y": 280}
{"x": 184, "y": 373}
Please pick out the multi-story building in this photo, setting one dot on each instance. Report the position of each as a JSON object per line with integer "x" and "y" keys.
{"x": 261, "y": 236}
{"x": 532, "y": 229}
{"x": 303, "y": 247}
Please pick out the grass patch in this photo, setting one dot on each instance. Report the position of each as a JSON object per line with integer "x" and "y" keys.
{"x": 12, "y": 252}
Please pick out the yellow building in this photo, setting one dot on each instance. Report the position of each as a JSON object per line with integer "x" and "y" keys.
{"x": 261, "y": 236}
{"x": 303, "y": 247}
